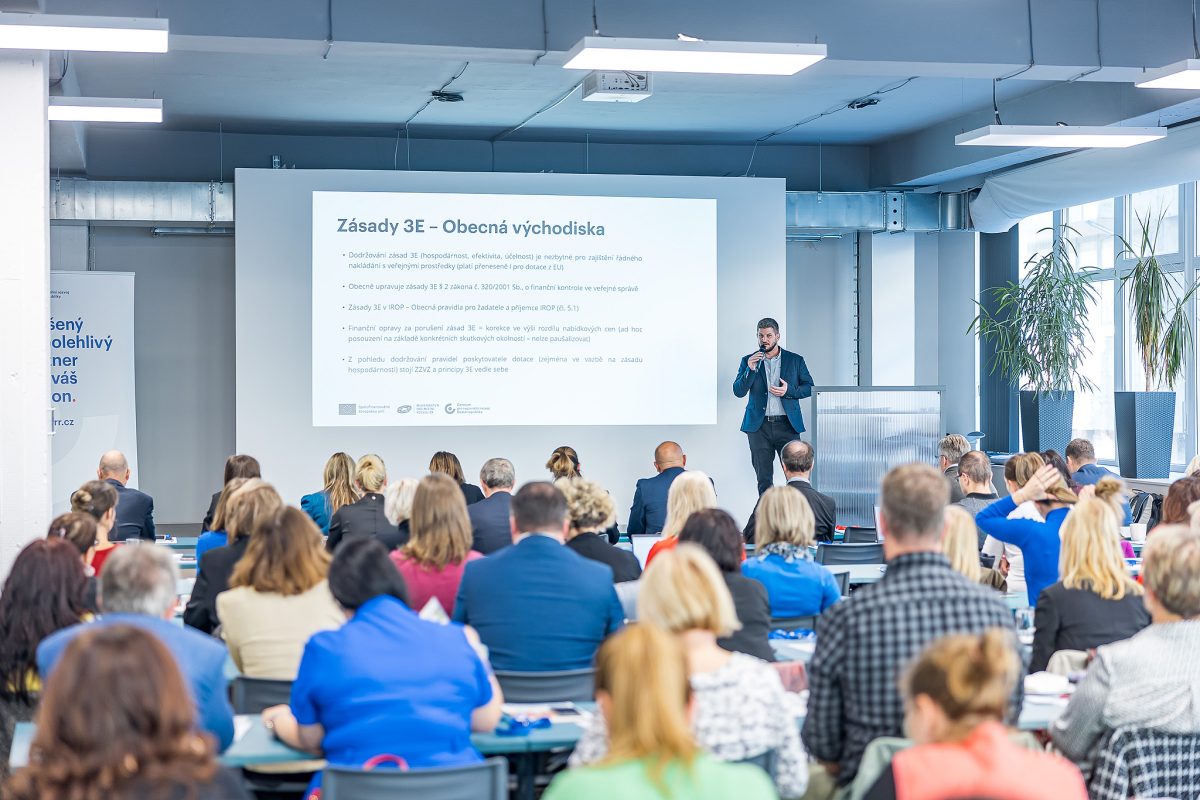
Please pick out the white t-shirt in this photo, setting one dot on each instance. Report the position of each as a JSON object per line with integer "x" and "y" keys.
{"x": 1016, "y": 560}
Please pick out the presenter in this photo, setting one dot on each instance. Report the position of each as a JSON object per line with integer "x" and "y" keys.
{"x": 775, "y": 380}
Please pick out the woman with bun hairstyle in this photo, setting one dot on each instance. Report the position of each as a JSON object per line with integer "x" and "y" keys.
{"x": 1111, "y": 491}
{"x": 1096, "y": 602}
{"x": 365, "y": 517}
{"x": 99, "y": 499}
{"x": 956, "y": 696}
{"x": 564, "y": 463}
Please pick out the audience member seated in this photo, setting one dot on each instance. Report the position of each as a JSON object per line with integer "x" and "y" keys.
{"x": 1017, "y": 471}
{"x": 218, "y": 536}
{"x": 337, "y": 491}
{"x": 43, "y": 593}
{"x": 490, "y": 528}
{"x": 592, "y": 512}
{"x": 239, "y": 466}
{"x": 957, "y": 695}
{"x": 278, "y": 597}
{"x": 1180, "y": 496}
{"x": 648, "y": 514}
{"x": 1060, "y": 464}
{"x": 1096, "y": 602}
{"x": 116, "y": 722}
{"x": 78, "y": 529}
{"x": 797, "y": 459}
{"x": 98, "y": 499}
{"x": 135, "y": 509}
{"x": 691, "y": 491}
{"x": 386, "y": 682}
{"x": 865, "y": 641}
{"x": 448, "y": 464}
{"x": 796, "y": 585}
{"x": 539, "y": 606}
{"x": 564, "y": 463}
{"x": 248, "y": 507}
{"x": 365, "y": 516}
{"x": 1111, "y": 490}
{"x": 1151, "y": 680}
{"x": 433, "y": 560}
{"x": 740, "y": 707}
{"x": 975, "y": 480}
{"x": 1193, "y": 467}
{"x": 138, "y": 589}
{"x": 951, "y": 449}
{"x": 959, "y": 544}
{"x": 645, "y": 703}
{"x": 1037, "y": 538}
{"x": 397, "y": 507}
{"x": 716, "y": 532}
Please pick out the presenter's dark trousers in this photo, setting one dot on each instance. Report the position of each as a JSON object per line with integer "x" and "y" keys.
{"x": 765, "y": 444}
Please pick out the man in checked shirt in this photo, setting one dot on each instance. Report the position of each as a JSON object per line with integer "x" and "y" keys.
{"x": 865, "y": 642}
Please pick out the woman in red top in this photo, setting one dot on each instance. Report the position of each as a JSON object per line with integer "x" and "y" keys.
{"x": 439, "y": 544}
{"x": 956, "y": 694}
{"x": 99, "y": 499}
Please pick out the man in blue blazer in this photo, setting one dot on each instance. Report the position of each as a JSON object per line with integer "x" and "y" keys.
{"x": 775, "y": 380}
{"x": 538, "y": 606}
{"x": 649, "y": 511}
{"x": 137, "y": 587}
{"x": 135, "y": 510}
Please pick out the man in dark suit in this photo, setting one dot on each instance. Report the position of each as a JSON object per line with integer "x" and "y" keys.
{"x": 775, "y": 381}
{"x": 537, "y": 605}
{"x": 797, "y": 460}
{"x": 490, "y": 529}
{"x": 135, "y": 510}
{"x": 649, "y": 511}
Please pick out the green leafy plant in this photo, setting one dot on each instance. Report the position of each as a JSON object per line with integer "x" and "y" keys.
{"x": 1162, "y": 328}
{"x": 1039, "y": 326}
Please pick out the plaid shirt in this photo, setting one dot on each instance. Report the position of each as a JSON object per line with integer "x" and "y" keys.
{"x": 1144, "y": 763}
{"x": 865, "y": 642}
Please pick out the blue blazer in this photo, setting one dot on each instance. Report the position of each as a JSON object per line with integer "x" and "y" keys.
{"x": 489, "y": 523}
{"x": 135, "y": 513}
{"x": 201, "y": 659}
{"x": 539, "y": 606}
{"x": 1090, "y": 475}
{"x": 649, "y": 511}
{"x": 317, "y": 506}
{"x": 792, "y": 371}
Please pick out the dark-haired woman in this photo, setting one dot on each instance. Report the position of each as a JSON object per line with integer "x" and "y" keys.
{"x": 386, "y": 682}
{"x": 134, "y": 740}
{"x": 79, "y": 529}
{"x": 448, "y": 464}
{"x": 44, "y": 593}
{"x": 99, "y": 499}
{"x": 239, "y": 466}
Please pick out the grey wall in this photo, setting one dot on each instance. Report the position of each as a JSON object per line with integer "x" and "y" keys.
{"x": 822, "y": 308}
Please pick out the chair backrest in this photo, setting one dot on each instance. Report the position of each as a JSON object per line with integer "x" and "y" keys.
{"x": 843, "y": 581}
{"x": 1135, "y": 762}
{"x": 252, "y": 695}
{"x": 849, "y": 553}
{"x": 575, "y": 685}
{"x": 808, "y": 623}
{"x": 860, "y": 536}
{"x": 485, "y": 781}
{"x": 765, "y": 760}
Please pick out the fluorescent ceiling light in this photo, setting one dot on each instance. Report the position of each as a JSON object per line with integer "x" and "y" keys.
{"x": 1058, "y": 136}
{"x": 1180, "y": 75}
{"x": 104, "y": 109}
{"x": 667, "y": 55}
{"x": 62, "y": 32}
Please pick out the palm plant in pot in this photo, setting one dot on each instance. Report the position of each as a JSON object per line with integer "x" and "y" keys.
{"x": 1039, "y": 333}
{"x": 1162, "y": 333}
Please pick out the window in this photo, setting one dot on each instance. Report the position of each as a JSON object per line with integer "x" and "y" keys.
{"x": 1035, "y": 237}
{"x": 1090, "y": 229}
{"x": 1152, "y": 205}
{"x": 1095, "y": 417}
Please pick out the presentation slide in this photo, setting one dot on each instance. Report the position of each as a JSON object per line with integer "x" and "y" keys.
{"x": 440, "y": 309}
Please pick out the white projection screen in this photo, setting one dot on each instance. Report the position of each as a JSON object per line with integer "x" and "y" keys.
{"x": 391, "y": 313}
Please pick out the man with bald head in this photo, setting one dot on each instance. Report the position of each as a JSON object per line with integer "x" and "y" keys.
{"x": 797, "y": 458}
{"x": 135, "y": 510}
{"x": 649, "y": 511}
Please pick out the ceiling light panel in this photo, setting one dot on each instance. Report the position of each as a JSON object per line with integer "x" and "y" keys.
{"x": 1058, "y": 136}
{"x": 62, "y": 32}
{"x": 667, "y": 55}
{"x": 1180, "y": 75}
{"x": 104, "y": 109}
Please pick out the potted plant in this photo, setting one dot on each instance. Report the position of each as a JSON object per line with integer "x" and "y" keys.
{"x": 1038, "y": 327}
{"x": 1162, "y": 332}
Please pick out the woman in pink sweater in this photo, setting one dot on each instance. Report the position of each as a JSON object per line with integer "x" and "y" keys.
{"x": 439, "y": 544}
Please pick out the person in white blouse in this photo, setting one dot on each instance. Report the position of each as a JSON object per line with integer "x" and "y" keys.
{"x": 1017, "y": 470}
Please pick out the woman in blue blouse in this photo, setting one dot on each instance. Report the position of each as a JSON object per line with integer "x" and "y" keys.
{"x": 1038, "y": 539}
{"x": 387, "y": 682}
{"x": 338, "y": 491}
{"x": 796, "y": 585}
{"x": 218, "y": 534}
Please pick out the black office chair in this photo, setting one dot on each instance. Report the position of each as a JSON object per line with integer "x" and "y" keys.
{"x": 573, "y": 685}
{"x": 486, "y": 781}
{"x": 843, "y": 582}
{"x": 808, "y": 623}
{"x": 252, "y": 695}
{"x": 860, "y": 536}
{"x": 849, "y": 553}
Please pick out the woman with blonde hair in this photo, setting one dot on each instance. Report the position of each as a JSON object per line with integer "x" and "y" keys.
{"x": 959, "y": 540}
{"x": 784, "y": 529}
{"x": 365, "y": 516}
{"x": 691, "y": 491}
{"x": 99, "y": 499}
{"x": 1037, "y": 538}
{"x": 278, "y": 597}
{"x": 1096, "y": 602}
{"x": 448, "y": 464}
{"x": 439, "y": 545}
{"x": 337, "y": 491}
{"x": 564, "y": 463}
{"x": 592, "y": 512}
{"x": 640, "y": 746}
{"x": 956, "y": 696}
